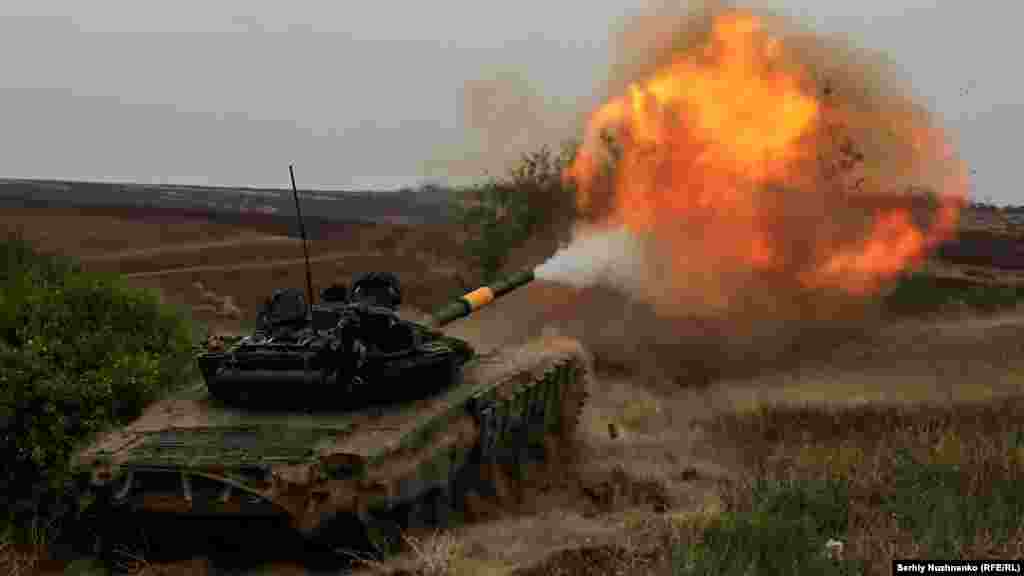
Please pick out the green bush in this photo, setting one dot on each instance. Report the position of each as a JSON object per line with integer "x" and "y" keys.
{"x": 784, "y": 532}
{"x": 501, "y": 214}
{"x": 921, "y": 293}
{"x": 79, "y": 352}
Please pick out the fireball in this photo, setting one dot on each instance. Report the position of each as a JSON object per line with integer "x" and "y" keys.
{"x": 738, "y": 154}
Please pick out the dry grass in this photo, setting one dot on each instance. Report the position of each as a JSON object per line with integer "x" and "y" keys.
{"x": 436, "y": 555}
{"x": 594, "y": 560}
{"x": 918, "y": 427}
{"x": 238, "y": 263}
{"x": 83, "y": 233}
{"x": 920, "y": 481}
{"x": 15, "y": 561}
{"x": 18, "y": 558}
{"x": 141, "y": 241}
{"x": 422, "y": 286}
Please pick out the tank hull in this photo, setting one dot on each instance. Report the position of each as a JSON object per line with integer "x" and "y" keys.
{"x": 352, "y": 478}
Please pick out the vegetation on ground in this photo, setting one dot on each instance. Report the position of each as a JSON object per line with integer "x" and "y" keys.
{"x": 842, "y": 492}
{"x": 501, "y": 214}
{"x": 919, "y": 482}
{"x": 920, "y": 293}
{"x": 79, "y": 352}
{"x": 784, "y": 530}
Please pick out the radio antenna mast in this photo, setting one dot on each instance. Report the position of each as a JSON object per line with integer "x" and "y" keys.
{"x": 305, "y": 248}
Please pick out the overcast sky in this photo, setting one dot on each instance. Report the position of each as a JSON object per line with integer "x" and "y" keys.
{"x": 375, "y": 94}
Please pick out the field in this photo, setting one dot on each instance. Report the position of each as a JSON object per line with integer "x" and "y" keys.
{"x": 893, "y": 415}
{"x": 223, "y": 272}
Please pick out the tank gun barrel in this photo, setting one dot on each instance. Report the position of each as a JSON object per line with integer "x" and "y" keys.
{"x": 479, "y": 298}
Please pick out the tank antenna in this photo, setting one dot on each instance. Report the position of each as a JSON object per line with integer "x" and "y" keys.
{"x": 302, "y": 231}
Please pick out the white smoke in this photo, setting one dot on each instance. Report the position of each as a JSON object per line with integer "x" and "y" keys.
{"x": 645, "y": 270}
{"x": 610, "y": 257}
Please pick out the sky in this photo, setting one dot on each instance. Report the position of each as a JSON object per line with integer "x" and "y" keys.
{"x": 390, "y": 93}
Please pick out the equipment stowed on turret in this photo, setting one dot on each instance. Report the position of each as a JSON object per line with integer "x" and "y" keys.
{"x": 347, "y": 352}
{"x": 342, "y": 419}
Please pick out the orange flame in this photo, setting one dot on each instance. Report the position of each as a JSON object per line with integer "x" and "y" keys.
{"x": 704, "y": 146}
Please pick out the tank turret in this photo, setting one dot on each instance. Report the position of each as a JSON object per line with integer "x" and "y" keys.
{"x": 347, "y": 349}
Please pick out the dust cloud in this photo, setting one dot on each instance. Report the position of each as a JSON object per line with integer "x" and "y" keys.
{"x": 502, "y": 117}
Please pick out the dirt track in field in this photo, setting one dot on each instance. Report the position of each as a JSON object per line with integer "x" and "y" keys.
{"x": 262, "y": 265}
{"x": 233, "y": 263}
{"x": 242, "y": 240}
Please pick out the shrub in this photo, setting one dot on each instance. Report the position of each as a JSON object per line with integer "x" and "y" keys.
{"x": 79, "y": 352}
{"x": 501, "y": 214}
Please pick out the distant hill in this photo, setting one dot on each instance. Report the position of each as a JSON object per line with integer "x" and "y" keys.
{"x": 429, "y": 205}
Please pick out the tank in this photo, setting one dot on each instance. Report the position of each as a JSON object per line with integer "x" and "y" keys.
{"x": 344, "y": 421}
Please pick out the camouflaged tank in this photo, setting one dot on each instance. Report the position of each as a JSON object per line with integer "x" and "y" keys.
{"x": 344, "y": 421}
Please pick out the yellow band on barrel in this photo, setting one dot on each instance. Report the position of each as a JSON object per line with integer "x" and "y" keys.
{"x": 479, "y": 297}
